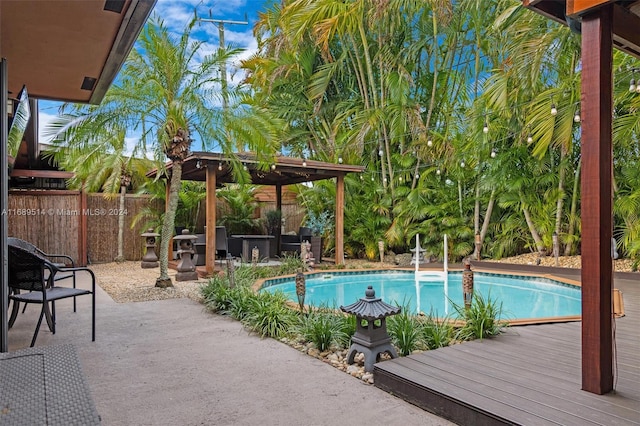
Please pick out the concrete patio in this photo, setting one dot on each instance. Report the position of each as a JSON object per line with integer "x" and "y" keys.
{"x": 171, "y": 362}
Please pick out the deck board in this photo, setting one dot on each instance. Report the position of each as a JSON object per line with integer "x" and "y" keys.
{"x": 528, "y": 375}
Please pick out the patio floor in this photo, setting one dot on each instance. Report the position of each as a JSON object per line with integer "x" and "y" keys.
{"x": 530, "y": 375}
{"x": 171, "y": 362}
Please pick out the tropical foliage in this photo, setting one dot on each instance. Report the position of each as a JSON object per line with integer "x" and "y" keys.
{"x": 448, "y": 106}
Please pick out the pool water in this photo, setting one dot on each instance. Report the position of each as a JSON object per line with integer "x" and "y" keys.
{"x": 521, "y": 297}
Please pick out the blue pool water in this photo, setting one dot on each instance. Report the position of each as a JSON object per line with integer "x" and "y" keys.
{"x": 521, "y": 297}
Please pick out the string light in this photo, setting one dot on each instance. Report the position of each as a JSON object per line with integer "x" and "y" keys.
{"x": 438, "y": 172}
{"x": 429, "y": 143}
{"x": 554, "y": 110}
{"x": 493, "y": 153}
{"x": 485, "y": 129}
{"x": 576, "y": 118}
{"x": 304, "y": 162}
{"x": 380, "y": 152}
{"x": 529, "y": 138}
{"x": 220, "y": 166}
{"x": 273, "y": 167}
{"x": 462, "y": 164}
{"x": 340, "y": 160}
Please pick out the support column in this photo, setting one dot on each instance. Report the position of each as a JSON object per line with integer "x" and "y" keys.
{"x": 596, "y": 201}
{"x": 278, "y": 229}
{"x": 340, "y": 220}
{"x": 4, "y": 204}
{"x": 210, "y": 189}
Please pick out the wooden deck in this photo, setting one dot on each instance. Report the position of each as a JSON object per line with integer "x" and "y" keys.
{"x": 530, "y": 375}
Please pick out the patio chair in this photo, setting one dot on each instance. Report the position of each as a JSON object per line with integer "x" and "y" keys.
{"x": 221, "y": 242}
{"x": 60, "y": 260}
{"x": 36, "y": 275}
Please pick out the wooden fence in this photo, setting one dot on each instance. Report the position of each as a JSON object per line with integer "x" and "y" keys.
{"x": 52, "y": 220}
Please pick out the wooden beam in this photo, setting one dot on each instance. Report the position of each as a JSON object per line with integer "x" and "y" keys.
{"x": 339, "y": 250}
{"x": 596, "y": 201}
{"x": 625, "y": 30}
{"x": 579, "y": 7}
{"x": 210, "y": 261}
{"x": 57, "y": 174}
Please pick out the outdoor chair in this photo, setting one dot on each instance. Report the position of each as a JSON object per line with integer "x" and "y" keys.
{"x": 60, "y": 260}
{"x": 221, "y": 242}
{"x": 32, "y": 279}
{"x": 292, "y": 243}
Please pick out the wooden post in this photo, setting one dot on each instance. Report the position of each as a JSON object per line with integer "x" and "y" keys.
{"x": 340, "y": 220}
{"x": 596, "y": 202}
{"x": 211, "y": 220}
{"x": 278, "y": 229}
{"x": 83, "y": 258}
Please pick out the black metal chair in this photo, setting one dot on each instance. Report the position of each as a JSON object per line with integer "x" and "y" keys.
{"x": 36, "y": 275}
{"x": 221, "y": 242}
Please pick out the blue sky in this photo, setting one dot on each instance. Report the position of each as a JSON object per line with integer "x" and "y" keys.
{"x": 176, "y": 13}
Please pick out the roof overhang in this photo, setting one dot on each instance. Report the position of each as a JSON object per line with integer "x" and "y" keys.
{"x": 626, "y": 17}
{"x": 68, "y": 50}
{"x": 283, "y": 171}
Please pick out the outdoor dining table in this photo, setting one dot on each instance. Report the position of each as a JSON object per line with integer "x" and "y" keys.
{"x": 249, "y": 242}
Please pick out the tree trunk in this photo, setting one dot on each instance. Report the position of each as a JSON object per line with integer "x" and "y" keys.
{"x": 560, "y": 203}
{"x": 120, "y": 257}
{"x": 486, "y": 220}
{"x": 568, "y": 249}
{"x": 168, "y": 225}
{"x": 532, "y": 230}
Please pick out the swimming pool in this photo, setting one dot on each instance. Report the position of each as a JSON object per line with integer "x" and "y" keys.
{"x": 522, "y": 297}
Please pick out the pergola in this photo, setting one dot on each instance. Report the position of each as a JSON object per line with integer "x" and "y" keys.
{"x": 62, "y": 50}
{"x": 215, "y": 169}
{"x": 603, "y": 24}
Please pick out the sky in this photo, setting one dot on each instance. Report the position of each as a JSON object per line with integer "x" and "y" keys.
{"x": 176, "y": 13}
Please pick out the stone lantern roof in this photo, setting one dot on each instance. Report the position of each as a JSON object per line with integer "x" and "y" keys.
{"x": 371, "y": 307}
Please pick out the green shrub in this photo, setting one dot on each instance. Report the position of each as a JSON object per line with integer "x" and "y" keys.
{"x": 216, "y": 294}
{"x": 436, "y": 333}
{"x": 269, "y": 315}
{"x": 481, "y": 318}
{"x": 289, "y": 264}
{"x": 348, "y": 329}
{"x": 323, "y": 327}
{"x": 240, "y": 302}
{"x": 404, "y": 330}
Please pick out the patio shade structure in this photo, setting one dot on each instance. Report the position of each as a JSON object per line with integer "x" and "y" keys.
{"x": 215, "y": 169}
{"x": 604, "y": 24}
{"x": 63, "y": 50}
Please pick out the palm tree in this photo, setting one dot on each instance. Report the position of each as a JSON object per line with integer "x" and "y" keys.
{"x": 165, "y": 91}
{"x": 99, "y": 162}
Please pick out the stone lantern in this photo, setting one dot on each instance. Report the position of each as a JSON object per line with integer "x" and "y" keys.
{"x": 150, "y": 259}
{"x": 371, "y": 337}
{"x": 186, "y": 268}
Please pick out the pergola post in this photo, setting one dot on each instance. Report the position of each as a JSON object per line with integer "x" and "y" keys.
{"x": 210, "y": 260}
{"x": 279, "y": 208}
{"x": 339, "y": 220}
{"x": 596, "y": 200}
{"x": 166, "y": 207}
